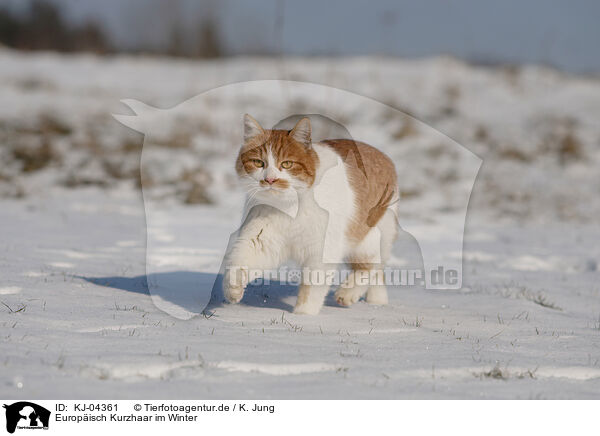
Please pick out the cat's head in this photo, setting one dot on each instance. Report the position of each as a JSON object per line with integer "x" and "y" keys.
{"x": 275, "y": 162}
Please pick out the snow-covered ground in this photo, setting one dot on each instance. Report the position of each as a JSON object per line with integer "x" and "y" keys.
{"x": 77, "y": 319}
{"x": 526, "y": 324}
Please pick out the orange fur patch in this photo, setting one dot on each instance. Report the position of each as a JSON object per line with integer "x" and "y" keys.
{"x": 373, "y": 179}
{"x": 284, "y": 148}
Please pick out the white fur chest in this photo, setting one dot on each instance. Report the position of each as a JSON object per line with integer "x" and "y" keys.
{"x": 317, "y": 234}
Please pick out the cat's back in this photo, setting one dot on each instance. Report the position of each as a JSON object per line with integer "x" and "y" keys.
{"x": 372, "y": 177}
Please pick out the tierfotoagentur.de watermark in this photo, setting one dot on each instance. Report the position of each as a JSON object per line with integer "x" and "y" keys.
{"x": 345, "y": 278}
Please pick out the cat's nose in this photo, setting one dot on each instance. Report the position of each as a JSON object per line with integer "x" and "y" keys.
{"x": 270, "y": 180}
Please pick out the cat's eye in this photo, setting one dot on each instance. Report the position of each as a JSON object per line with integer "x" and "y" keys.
{"x": 287, "y": 164}
{"x": 258, "y": 163}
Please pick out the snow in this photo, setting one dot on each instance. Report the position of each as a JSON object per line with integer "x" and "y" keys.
{"x": 77, "y": 320}
{"x": 92, "y": 330}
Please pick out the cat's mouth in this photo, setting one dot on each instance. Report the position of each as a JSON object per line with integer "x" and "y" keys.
{"x": 279, "y": 185}
{"x": 273, "y": 190}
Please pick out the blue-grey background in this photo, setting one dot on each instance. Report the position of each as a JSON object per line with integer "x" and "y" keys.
{"x": 556, "y": 33}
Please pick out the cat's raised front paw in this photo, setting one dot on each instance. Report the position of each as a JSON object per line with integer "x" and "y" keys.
{"x": 233, "y": 286}
{"x": 233, "y": 294}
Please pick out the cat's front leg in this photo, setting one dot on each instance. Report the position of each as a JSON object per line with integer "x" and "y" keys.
{"x": 312, "y": 291}
{"x": 310, "y": 299}
{"x": 256, "y": 249}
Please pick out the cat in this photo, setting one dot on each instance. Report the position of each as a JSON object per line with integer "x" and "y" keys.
{"x": 318, "y": 204}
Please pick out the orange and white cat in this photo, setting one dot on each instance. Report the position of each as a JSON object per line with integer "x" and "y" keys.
{"x": 318, "y": 204}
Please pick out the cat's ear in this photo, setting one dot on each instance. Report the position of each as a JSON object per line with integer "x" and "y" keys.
{"x": 251, "y": 128}
{"x": 301, "y": 131}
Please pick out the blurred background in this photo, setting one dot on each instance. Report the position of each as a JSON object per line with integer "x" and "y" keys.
{"x": 551, "y": 32}
{"x": 517, "y": 83}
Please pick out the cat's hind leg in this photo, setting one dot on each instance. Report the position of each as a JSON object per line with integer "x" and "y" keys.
{"x": 377, "y": 294}
{"x": 367, "y": 261}
{"x": 355, "y": 285}
{"x": 388, "y": 227}
{"x": 363, "y": 259}
{"x": 364, "y": 279}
